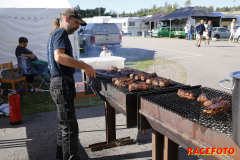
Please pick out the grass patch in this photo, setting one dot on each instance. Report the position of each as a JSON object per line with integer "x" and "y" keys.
{"x": 36, "y": 102}
{"x": 42, "y": 101}
{"x": 88, "y": 102}
{"x": 139, "y": 65}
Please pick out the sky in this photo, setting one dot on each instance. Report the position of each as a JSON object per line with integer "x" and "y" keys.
{"x": 134, "y": 5}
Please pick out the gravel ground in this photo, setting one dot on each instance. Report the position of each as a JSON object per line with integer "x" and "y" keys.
{"x": 171, "y": 70}
{"x": 35, "y": 138}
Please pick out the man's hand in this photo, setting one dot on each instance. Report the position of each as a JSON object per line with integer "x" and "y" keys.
{"x": 32, "y": 56}
{"x": 90, "y": 71}
{"x": 64, "y": 59}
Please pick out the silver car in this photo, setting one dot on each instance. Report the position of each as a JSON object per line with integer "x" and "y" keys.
{"x": 220, "y": 32}
{"x": 237, "y": 34}
{"x": 95, "y": 35}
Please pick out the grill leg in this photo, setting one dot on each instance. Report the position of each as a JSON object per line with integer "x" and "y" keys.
{"x": 111, "y": 141}
{"x": 171, "y": 149}
{"x": 110, "y": 121}
{"x": 163, "y": 148}
{"x": 157, "y": 145}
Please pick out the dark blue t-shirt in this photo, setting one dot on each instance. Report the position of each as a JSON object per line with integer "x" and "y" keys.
{"x": 58, "y": 40}
{"x": 200, "y": 28}
{"x": 22, "y": 50}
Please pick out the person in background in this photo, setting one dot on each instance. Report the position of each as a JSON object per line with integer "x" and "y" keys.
{"x": 189, "y": 29}
{"x": 62, "y": 87}
{"x": 186, "y": 31}
{"x": 106, "y": 52}
{"x": 193, "y": 32}
{"x": 200, "y": 28}
{"x": 21, "y": 50}
{"x": 196, "y": 33}
{"x": 232, "y": 30}
{"x": 209, "y": 30}
{"x": 205, "y": 24}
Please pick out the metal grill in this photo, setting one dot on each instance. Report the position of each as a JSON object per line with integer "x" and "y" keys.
{"x": 193, "y": 110}
{"x": 120, "y": 98}
{"x": 155, "y": 88}
{"x": 107, "y": 77}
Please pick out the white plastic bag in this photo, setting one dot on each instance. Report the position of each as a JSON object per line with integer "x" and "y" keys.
{"x": 4, "y": 109}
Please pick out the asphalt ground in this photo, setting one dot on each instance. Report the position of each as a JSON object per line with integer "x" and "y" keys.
{"x": 205, "y": 66}
{"x": 35, "y": 138}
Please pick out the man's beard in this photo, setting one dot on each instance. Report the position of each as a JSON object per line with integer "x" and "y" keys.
{"x": 70, "y": 30}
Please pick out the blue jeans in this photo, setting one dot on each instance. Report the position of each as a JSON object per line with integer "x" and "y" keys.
{"x": 189, "y": 35}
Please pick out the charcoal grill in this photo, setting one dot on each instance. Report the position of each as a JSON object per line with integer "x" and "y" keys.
{"x": 183, "y": 122}
{"x": 120, "y": 99}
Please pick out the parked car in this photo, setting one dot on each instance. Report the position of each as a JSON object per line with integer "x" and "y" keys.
{"x": 179, "y": 33}
{"x": 237, "y": 34}
{"x": 95, "y": 35}
{"x": 220, "y": 32}
{"x": 163, "y": 32}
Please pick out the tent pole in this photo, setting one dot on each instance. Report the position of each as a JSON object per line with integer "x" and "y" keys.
{"x": 150, "y": 29}
{"x": 170, "y": 28}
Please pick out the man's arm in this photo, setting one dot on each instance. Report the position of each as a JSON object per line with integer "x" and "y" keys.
{"x": 64, "y": 59}
{"x": 31, "y": 56}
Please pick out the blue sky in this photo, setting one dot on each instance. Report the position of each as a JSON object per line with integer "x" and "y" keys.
{"x": 134, "y": 5}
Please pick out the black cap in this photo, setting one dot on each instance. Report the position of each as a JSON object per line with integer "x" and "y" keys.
{"x": 75, "y": 14}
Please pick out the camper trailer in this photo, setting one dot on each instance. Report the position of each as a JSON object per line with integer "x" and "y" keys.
{"x": 134, "y": 26}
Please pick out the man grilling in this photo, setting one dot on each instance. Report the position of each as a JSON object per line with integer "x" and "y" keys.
{"x": 62, "y": 88}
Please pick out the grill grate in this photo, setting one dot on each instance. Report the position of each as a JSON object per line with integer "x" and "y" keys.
{"x": 193, "y": 110}
{"x": 109, "y": 75}
{"x": 155, "y": 88}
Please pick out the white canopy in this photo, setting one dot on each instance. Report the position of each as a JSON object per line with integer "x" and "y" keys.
{"x": 31, "y": 19}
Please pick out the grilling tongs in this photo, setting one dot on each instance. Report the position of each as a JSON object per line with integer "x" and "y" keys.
{"x": 104, "y": 74}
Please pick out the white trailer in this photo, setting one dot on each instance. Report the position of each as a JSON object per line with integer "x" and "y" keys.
{"x": 134, "y": 26}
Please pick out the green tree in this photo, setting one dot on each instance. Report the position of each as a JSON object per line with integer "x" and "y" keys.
{"x": 187, "y": 3}
{"x": 153, "y": 10}
{"x": 168, "y": 8}
{"x": 123, "y": 14}
{"x": 160, "y": 9}
{"x": 174, "y": 6}
{"x": 210, "y": 9}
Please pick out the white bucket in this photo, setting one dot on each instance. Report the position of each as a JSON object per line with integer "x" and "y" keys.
{"x": 214, "y": 39}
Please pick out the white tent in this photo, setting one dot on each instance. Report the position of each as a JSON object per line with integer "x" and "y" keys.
{"x": 31, "y": 19}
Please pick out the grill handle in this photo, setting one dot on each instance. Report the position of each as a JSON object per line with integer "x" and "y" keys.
{"x": 93, "y": 89}
{"x": 220, "y": 83}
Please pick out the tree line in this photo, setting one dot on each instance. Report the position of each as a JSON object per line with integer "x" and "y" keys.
{"x": 167, "y": 8}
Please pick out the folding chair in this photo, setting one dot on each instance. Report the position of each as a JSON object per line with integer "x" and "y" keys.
{"x": 9, "y": 76}
{"x": 26, "y": 69}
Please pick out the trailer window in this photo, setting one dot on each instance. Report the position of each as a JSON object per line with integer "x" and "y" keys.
{"x": 124, "y": 23}
{"x": 131, "y": 23}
